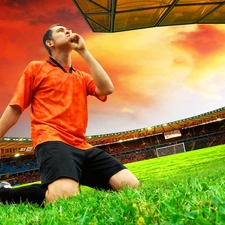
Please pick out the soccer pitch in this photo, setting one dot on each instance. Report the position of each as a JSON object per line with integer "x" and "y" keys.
{"x": 186, "y": 188}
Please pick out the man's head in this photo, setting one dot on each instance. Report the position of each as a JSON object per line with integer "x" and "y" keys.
{"x": 48, "y": 37}
{"x": 57, "y": 38}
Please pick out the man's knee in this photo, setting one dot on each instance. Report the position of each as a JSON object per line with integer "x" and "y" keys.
{"x": 61, "y": 188}
{"x": 123, "y": 179}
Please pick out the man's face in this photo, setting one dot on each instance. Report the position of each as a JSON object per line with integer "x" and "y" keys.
{"x": 60, "y": 36}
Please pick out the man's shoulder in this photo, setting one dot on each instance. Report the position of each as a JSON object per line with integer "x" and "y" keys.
{"x": 37, "y": 63}
{"x": 82, "y": 73}
{"x": 35, "y": 66}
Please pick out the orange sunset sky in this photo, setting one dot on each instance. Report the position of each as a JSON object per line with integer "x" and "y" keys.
{"x": 160, "y": 74}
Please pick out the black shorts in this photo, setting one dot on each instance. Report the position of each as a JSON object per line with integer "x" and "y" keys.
{"x": 93, "y": 167}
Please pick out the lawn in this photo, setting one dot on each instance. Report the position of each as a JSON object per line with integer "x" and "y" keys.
{"x": 186, "y": 188}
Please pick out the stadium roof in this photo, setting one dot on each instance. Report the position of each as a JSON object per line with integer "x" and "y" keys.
{"x": 212, "y": 116}
{"x": 123, "y": 15}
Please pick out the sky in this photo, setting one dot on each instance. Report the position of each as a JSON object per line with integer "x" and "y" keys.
{"x": 160, "y": 74}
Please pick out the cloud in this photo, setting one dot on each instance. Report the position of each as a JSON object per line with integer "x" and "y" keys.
{"x": 205, "y": 41}
{"x": 41, "y": 13}
{"x": 202, "y": 52}
{"x": 126, "y": 110}
{"x": 137, "y": 63}
{"x": 181, "y": 61}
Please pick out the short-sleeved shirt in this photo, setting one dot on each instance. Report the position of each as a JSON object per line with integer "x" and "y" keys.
{"x": 58, "y": 102}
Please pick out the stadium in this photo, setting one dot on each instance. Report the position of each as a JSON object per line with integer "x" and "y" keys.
{"x": 179, "y": 163}
{"x": 206, "y": 130}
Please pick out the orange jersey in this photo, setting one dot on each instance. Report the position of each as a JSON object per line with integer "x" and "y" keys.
{"x": 58, "y": 103}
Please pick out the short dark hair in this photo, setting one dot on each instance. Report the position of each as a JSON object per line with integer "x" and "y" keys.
{"x": 48, "y": 36}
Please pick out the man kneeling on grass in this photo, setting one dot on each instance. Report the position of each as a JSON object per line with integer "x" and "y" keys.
{"x": 57, "y": 94}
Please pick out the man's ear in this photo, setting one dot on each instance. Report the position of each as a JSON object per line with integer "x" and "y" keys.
{"x": 49, "y": 43}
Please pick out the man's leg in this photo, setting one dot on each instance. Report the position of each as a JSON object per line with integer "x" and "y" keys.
{"x": 61, "y": 168}
{"x": 102, "y": 171}
{"x": 122, "y": 179}
{"x": 61, "y": 188}
{"x": 33, "y": 194}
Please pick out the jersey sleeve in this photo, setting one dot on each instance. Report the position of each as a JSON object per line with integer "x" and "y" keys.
{"x": 23, "y": 93}
{"x": 91, "y": 86}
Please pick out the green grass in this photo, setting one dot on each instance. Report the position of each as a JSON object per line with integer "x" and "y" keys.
{"x": 187, "y": 188}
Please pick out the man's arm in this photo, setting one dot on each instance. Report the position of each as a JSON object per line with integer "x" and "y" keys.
{"x": 9, "y": 118}
{"x": 101, "y": 78}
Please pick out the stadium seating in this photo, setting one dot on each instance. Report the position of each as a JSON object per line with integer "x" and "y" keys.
{"x": 24, "y": 169}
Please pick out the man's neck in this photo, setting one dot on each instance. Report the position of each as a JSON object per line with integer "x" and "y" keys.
{"x": 62, "y": 59}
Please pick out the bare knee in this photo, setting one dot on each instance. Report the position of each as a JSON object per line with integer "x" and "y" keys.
{"x": 61, "y": 188}
{"x": 123, "y": 179}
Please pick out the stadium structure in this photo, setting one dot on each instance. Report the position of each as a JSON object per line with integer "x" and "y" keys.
{"x": 121, "y": 15}
{"x": 23, "y": 146}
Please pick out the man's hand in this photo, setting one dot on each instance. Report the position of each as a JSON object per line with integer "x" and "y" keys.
{"x": 77, "y": 42}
